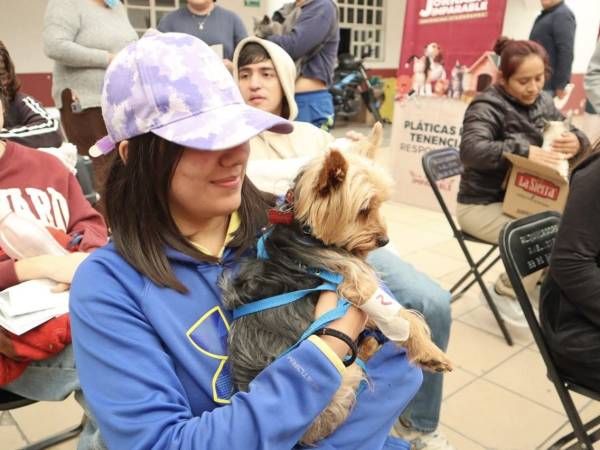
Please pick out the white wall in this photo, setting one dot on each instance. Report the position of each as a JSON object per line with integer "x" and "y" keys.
{"x": 520, "y": 15}
{"x": 21, "y": 31}
{"x": 394, "y": 27}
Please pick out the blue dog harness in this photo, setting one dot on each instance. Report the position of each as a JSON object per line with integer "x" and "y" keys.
{"x": 330, "y": 283}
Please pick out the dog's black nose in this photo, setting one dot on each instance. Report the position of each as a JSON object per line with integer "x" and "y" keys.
{"x": 382, "y": 241}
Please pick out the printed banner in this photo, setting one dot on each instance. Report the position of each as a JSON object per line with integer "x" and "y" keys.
{"x": 446, "y": 47}
{"x": 422, "y": 124}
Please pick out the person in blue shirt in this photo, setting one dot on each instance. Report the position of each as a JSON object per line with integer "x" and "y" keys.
{"x": 213, "y": 24}
{"x": 149, "y": 328}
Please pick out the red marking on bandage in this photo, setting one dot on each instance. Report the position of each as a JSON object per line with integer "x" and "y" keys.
{"x": 382, "y": 300}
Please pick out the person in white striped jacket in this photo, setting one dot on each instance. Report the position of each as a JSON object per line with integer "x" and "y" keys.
{"x": 26, "y": 122}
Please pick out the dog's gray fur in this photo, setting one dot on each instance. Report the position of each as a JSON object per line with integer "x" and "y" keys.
{"x": 256, "y": 340}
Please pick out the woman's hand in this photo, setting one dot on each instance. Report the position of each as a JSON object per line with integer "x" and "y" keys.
{"x": 568, "y": 145}
{"x": 352, "y": 323}
{"x": 545, "y": 157}
{"x": 59, "y": 268}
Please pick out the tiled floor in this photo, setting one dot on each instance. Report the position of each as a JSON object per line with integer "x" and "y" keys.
{"x": 498, "y": 397}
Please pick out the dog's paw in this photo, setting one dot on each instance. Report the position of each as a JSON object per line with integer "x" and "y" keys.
{"x": 440, "y": 363}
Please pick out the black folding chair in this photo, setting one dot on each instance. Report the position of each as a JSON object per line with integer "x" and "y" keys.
{"x": 525, "y": 247}
{"x": 439, "y": 165}
{"x": 85, "y": 177}
{"x": 9, "y": 401}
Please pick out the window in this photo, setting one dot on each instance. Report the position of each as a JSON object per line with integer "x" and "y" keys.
{"x": 365, "y": 20}
{"x": 144, "y": 14}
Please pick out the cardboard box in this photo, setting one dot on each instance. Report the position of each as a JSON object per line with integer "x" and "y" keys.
{"x": 533, "y": 188}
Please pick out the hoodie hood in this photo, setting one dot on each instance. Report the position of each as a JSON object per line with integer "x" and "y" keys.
{"x": 284, "y": 66}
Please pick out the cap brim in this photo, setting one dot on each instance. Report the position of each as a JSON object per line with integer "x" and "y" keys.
{"x": 222, "y": 128}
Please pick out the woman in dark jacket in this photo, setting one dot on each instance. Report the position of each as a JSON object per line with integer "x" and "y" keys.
{"x": 508, "y": 117}
{"x": 570, "y": 296}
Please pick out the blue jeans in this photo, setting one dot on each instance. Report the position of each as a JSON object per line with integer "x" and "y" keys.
{"x": 415, "y": 290}
{"x": 315, "y": 107}
{"x": 54, "y": 379}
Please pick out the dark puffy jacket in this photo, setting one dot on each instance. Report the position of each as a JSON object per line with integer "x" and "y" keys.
{"x": 496, "y": 123}
{"x": 570, "y": 297}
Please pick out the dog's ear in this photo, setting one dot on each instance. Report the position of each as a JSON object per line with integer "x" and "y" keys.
{"x": 332, "y": 174}
{"x": 374, "y": 141}
{"x": 265, "y": 20}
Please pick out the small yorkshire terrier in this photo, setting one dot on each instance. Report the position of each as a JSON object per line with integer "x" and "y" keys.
{"x": 335, "y": 221}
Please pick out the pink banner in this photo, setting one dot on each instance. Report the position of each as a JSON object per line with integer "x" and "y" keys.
{"x": 446, "y": 47}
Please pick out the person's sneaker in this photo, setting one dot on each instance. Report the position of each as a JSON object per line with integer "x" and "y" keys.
{"x": 435, "y": 440}
{"x": 503, "y": 287}
{"x": 508, "y": 307}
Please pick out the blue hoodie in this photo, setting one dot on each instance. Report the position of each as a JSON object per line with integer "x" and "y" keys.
{"x": 153, "y": 367}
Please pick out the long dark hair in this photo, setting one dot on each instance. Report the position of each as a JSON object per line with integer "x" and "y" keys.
{"x": 3, "y": 100}
{"x": 13, "y": 85}
{"x": 136, "y": 200}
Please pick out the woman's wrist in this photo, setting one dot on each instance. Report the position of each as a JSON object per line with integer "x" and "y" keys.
{"x": 338, "y": 347}
{"x": 344, "y": 345}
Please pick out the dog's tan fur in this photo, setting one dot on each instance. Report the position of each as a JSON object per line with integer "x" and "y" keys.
{"x": 337, "y": 200}
{"x": 338, "y": 409}
{"x": 339, "y": 196}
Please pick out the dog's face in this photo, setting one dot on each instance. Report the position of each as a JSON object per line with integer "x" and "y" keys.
{"x": 265, "y": 27}
{"x": 339, "y": 196}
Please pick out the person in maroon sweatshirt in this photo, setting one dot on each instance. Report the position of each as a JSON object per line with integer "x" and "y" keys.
{"x": 40, "y": 363}
{"x": 38, "y": 185}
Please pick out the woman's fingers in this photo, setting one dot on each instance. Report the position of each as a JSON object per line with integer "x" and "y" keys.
{"x": 548, "y": 158}
{"x": 60, "y": 287}
{"x": 567, "y": 143}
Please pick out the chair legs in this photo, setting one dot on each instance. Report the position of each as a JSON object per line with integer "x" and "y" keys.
{"x": 494, "y": 308}
{"x": 581, "y": 432}
{"x": 471, "y": 272}
{"x": 477, "y": 278}
{"x": 56, "y": 438}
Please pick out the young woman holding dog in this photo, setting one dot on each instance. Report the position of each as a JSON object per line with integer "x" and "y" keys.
{"x": 266, "y": 74}
{"x": 508, "y": 117}
{"x": 149, "y": 328}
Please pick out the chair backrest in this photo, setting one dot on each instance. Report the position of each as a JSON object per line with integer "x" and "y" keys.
{"x": 438, "y": 165}
{"x": 86, "y": 178}
{"x": 525, "y": 247}
{"x": 442, "y": 163}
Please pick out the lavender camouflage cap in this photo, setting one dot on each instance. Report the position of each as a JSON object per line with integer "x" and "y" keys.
{"x": 176, "y": 87}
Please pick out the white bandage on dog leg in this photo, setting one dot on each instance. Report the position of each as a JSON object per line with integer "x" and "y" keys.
{"x": 383, "y": 310}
